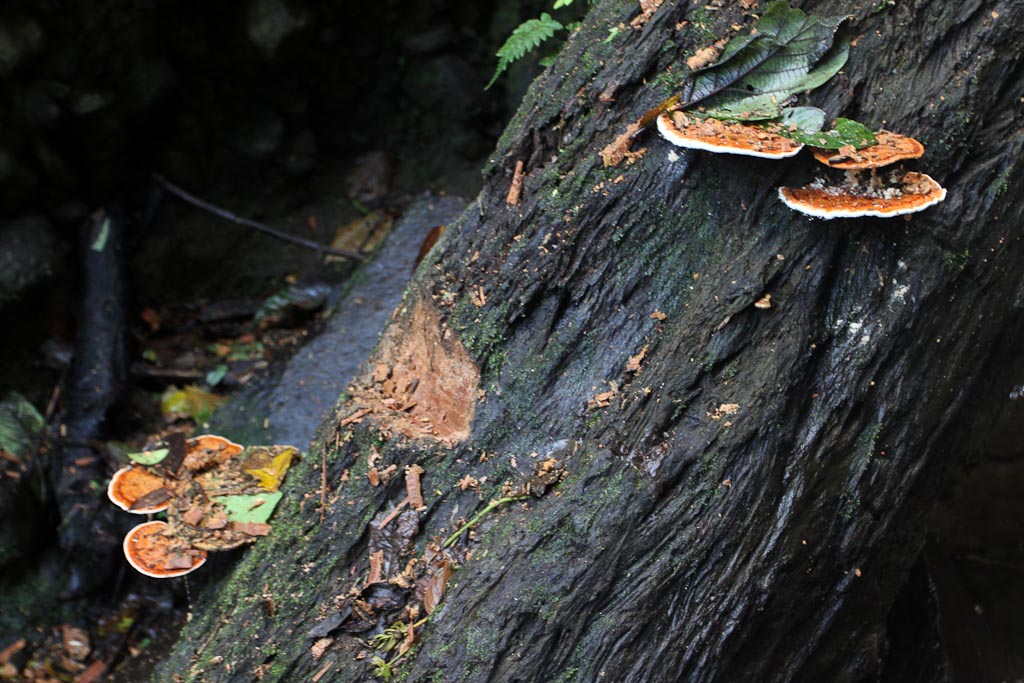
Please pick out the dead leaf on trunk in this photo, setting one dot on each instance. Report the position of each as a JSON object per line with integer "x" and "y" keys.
{"x": 435, "y": 586}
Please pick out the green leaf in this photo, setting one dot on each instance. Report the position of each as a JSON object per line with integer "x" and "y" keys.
{"x": 255, "y": 508}
{"x": 527, "y": 36}
{"x": 562, "y": 3}
{"x": 846, "y": 132}
{"x": 149, "y": 457}
{"x": 791, "y": 52}
{"x": 214, "y": 377}
{"x": 20, "y": 422}
{"x": 805, "y": 119}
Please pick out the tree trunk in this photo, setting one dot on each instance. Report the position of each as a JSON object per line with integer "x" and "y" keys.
{"x": 745, "y": 487}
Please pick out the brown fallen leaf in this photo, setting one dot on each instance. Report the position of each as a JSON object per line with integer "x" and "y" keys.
{"x": 373, "y": 476}
{"x": 434, "y": 591}
{"x": 469, "y": 482}
{"x": 658, "y": 315}
{"x": 408, "y": 641}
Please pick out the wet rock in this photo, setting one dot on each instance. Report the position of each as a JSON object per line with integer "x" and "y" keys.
{"x": 429, "y": 39}
{"x": 370, "y": 178}
{"x": 446, "y": 86}
{"x": 269, "y": 22}
{"x": 19, "y": 40}
{"x": 260, "y": 136}
{"x": 30, "y": 253}
{"x": 302, "y": 156}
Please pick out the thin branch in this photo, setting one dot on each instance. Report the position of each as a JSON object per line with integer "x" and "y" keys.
{"x": 223, "y": 213}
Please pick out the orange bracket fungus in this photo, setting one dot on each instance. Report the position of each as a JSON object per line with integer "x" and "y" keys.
{"x": 137, "y": 490}
{"x": 217, "y": 494}
{"x": 712, "y": 135}
{"x": 878, "y": 195}
{"x": 911, "y": 192}
{"x": 152, "y": 551}
{"x": 889, "y": 148}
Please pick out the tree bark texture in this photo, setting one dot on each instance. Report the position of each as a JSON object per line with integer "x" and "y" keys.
{"x": 745, "y": 487}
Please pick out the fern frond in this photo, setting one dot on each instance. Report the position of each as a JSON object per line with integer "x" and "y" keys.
{"x": 527, "y": 36}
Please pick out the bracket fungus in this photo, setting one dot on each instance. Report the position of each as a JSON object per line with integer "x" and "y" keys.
{"x": 861, "y": 194}
{"x": 713, "y": 135}
{"x": 136, "y": 489}
{"x": 910, "y": 192}
{"x": 890, "y": 148}
{"x": 217, "y": 494}
{"x": 153, "y": 551}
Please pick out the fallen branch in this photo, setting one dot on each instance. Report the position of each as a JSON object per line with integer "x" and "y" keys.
{"x": 224, "y": 213}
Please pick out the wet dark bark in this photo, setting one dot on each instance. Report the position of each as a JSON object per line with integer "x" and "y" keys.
{"x": 87, "y": 533}
{"x": 687, "y": 543}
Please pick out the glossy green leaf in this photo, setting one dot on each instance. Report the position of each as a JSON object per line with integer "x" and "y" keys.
{"x": 846, "y": 133}
{"x": 255, "y": 508}
{"x": 791, "y": 52}
{"x": 804, "y": 119}
{"x": 149, "y": 457}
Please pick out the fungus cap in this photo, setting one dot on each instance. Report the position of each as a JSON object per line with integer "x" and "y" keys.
{"x": 713, "y": 135}
{"x": 208, "y": 450}
{"x": 916, "y": 193}
{"x": 132, "y": 483}
{"x": 890, "y": 148}
{"x": 153, "y": 552}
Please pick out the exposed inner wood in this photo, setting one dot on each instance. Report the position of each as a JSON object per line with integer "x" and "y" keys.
{"x": 421, "y": 384}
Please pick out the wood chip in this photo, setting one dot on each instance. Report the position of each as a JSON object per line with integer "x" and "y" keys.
{"x": 515, "y": 190}
{"x": 252, "y": 528}
{"x": 412, "y": 486}
{"x": 376, "y": 568}
{"x": 355, "y": 417}
{"x": 702, "y": 57}
{"x": 633, "y": 364}
{"x": 394, "y": 513}
{"x": 317, "y": 650}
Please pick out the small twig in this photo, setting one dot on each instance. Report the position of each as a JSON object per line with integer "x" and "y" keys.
{"x": 323, "y": 481}
{"x": 394, "y": 513}
{"x": 224, "y": 213}
{"x": 478, "y": 516}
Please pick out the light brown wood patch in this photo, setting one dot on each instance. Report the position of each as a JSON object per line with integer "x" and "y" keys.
{"x": 431, "y": 387}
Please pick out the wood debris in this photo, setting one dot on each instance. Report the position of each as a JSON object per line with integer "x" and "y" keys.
{"x": 723, "y": 410}
{"x": 702, "y": 57}
{"x": 412, "y": 487}
{"x": 319, "y": 647}
{"x": 376, "y": 568}
{"x": 619, "y": 148}
{"x": 603, "y": 399}
{"x": 633, "y": 364}
{"x": 515, "y": 190}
